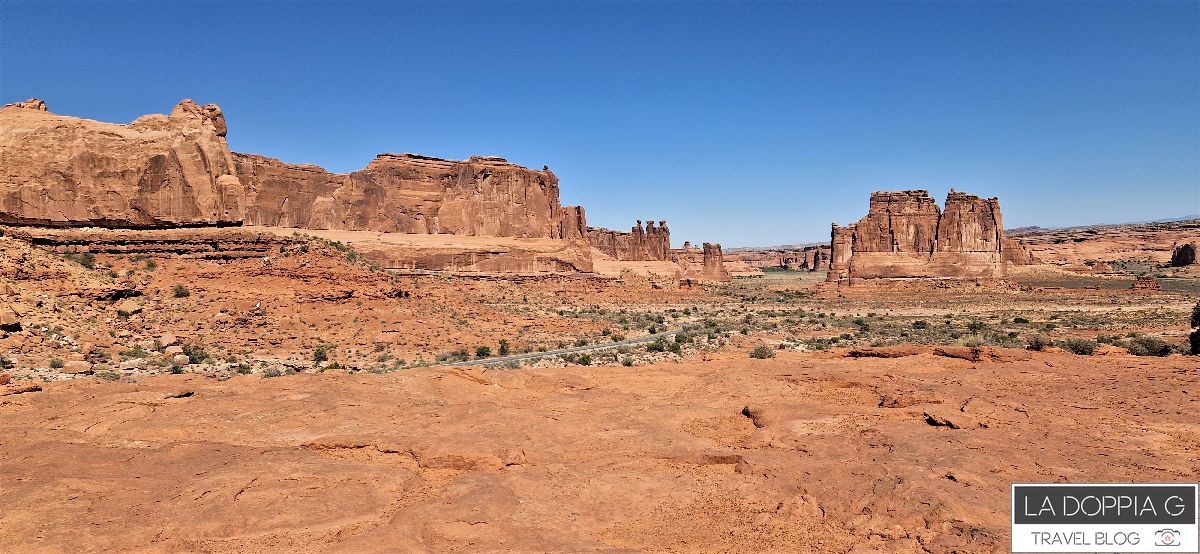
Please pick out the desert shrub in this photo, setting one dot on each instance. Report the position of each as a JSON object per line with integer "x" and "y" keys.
{"x": 195, "y": 353}
{"x": 617, "y": 338}
{"x": 151, "y": 265}
{"x": 1038, "y": 342}
{"x": 584, "y": 360}
{"x": 321, "y": 354}
{"x": 976, "y": 326}
{"x": 1020, "y": 319}
{"x": 107, "y": 375}
{"x": 85, "y": 259}
{"x": 762, "y": 352}
{"x": 919, "y": 324}
{"x": 675, "y": 348}
{"x": 627, "y": 362}
{"x": 581, "y": 342}
{"x": 483, "y": 351}
{"x": 243, "y": 369}
{"x": 657, "y": 346}
{"x": 180, "y": 291}
{"x": 1196, "y": 316}
{"x": 683, "y": 338}
{"x": 56, "y": 363}
{"x": 135, "y": 352}
{"x": 1144, "y": 345}
{"x": 272, "y": 372}
{"x": 1194, "y": 342}
{"x": 1083, "y": 347}
{"x": 504, "y": 349}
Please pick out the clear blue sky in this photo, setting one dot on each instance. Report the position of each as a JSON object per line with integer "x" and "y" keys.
{"x": 743, "y": 123}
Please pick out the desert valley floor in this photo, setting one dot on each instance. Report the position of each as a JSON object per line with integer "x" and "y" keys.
{"x": 314, "y": 411}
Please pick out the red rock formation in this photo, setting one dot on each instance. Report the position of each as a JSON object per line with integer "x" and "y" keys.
{"x": 650, "y": 244}
{"x": 1146, "y": 283}
{"x": 1183, "y": 254}
{"x": 573, "y": 224}
{"x": 906, "y": 235}
{"x": 405, "y": 193}
{"x": 160, "y": 171}
{"x": 704, "y": 264}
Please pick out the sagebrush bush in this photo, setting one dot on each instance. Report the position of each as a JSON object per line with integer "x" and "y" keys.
{"x": 1038, "y": 342}
{"x": 1083, "y": 347}
{"x": 762, "y": 352}
{"x": 180, "y": 291}
{"x": 1144, "y": 345}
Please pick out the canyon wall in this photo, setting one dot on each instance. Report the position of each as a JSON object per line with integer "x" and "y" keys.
{"x": 177, "y": 170}
{"x": 159, "y": 171}
{"x": 405, "y": 193}
{"x": 906, "y": 235}
{"x": 649, "y": 244}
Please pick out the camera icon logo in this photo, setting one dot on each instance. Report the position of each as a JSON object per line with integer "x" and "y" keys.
{"x": 1166, "y": 537}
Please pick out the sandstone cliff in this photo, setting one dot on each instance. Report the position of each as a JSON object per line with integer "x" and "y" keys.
{"x": 703, "y": 264}
{"x": 906, "y": 235}
{"x": 159, "y": 171}
{"x": 649, "y": 244}
{"x": 406, "y": 193}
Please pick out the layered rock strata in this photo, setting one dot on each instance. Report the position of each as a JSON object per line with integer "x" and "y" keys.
{"x": 906, "y": 235}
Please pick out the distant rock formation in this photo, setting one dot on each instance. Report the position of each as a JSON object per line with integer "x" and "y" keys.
{"x": 160, "y": 171}
{"x": 649, "y": 244}
{"x": 703, "y": 264}
{"x": 1183, "y": 254}
{"x": 810, "y": 258}
{"x": 906, "y": 235}
{"x": 406, "y": 193}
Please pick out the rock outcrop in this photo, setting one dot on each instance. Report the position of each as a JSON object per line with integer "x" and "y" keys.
{"x": 406, "y": 193}
{"x": 701, "y": 264}
{"x": 1183, "y": 254}
{"x": 648, "y": 244}
{"x": 159, "y": 171}
{"x": 906, "y": 235}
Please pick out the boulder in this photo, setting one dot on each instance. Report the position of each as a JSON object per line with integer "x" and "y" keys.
{"x": 167, "y": 339}
{"x": 77, "y": 366}
{"x": 128, "y": 307}
{"x": 181, "y": 359}
{"x": 173, "y": 350}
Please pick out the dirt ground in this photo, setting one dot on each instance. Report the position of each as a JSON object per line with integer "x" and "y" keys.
{"x": 308, "y": 416}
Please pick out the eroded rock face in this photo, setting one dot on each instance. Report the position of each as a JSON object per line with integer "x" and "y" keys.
{"x": 906, "y": 235}
{"x": 649, "y": 244}
{"x": 160, "y": 171}
{"x": 406, "y": 193}
{"x": 701, "y": 264}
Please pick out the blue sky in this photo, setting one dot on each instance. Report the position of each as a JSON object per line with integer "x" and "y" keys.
{"x": 743, "y": 123}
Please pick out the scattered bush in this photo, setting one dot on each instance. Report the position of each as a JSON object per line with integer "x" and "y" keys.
{"x": 762, "y": 352}
{"x": 504, "y": 350}
{"x": 1143, "y": 345}
{"x": 1038, "y": 342}
{"x": 321, "y": 354}
{"x": 483, "y": 351}
{"x": 85, "y": 259}
{"x": 976, "y": 326}
{"x": 151, "y": 265}
{"x": 581, "y": 342}
{"x": 627, "y": 362}
{"x": 1082, "y": 347}
{"x": 180, "y": 291}
{"x": 195, "y": 353}
{"x": 1019, "y": 319}
{"x": 585, "y": 360}
{"x": 56, "y": 363}
{"x": 136, "y": 352}
{"x": 919, "y": 324}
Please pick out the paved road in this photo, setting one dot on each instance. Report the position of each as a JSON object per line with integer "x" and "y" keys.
{"x": 561, "y": 351}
